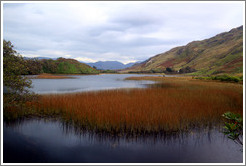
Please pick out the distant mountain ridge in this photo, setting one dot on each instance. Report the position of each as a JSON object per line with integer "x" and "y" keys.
{"x": 222, "y": 53}
{"x": 39, "y": 58}
{"x": 110, "y": 65}
{"x": 101, "y": 65}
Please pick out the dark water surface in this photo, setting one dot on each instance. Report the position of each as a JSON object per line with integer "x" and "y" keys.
{"x": 42, "y": 140}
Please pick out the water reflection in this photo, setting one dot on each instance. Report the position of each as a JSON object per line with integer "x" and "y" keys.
{"x": 49, "y": 140}
{"x": 87, "y": 83}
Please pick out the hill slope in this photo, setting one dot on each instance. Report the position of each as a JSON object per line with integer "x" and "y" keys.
{"x": 59, "y": 66}
{"x": 222, "y": 53}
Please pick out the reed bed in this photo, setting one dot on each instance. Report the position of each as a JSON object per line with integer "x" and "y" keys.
{"x": 171, "y": 105}
{"x": 51, "y": 76}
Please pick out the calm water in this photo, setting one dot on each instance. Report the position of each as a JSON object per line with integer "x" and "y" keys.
{"x": 40, "y": 140}
{"x": 86, "y": 83}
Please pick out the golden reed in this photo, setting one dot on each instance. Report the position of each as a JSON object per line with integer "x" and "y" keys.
{"x": 174, "y": 104}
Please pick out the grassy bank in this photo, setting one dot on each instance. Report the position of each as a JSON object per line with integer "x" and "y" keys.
{"x": 173, "y": 104}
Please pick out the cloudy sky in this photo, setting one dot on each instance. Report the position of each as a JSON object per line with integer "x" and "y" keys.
{"x": 122, "y": 31}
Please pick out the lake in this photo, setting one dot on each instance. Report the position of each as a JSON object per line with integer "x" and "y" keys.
{"x": 51, "y": 141}
{"x": 81, "y": 83}
{"x": 39, "y": 140}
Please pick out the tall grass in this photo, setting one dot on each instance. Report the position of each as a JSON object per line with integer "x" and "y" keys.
{"x": 175, "y": 104}
{"x": 51, "y": 76}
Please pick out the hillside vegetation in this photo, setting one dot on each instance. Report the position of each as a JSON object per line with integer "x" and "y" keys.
{"x": 59, "y": 66}
{"x": 222, "y": 53}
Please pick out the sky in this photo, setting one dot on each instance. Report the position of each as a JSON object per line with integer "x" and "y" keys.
{"x": 113, "y": 31}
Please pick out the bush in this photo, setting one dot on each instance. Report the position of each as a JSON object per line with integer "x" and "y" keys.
{"x": 186, "y": 70}
{"x": 233, "y": 128}
{"x": 225, "y": 77}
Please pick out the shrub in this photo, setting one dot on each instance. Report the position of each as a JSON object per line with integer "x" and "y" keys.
{"x": 233, "y": 128}
{"x": 224, "y": 77}
{"x": 227, "y": 78}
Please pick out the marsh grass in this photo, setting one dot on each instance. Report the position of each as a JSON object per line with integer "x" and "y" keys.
{"x": 51, "y": 76}
{"x": 171, "y": 105}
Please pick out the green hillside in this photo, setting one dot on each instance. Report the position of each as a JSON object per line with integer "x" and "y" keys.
{"x": 59, "y": 66}
{"x": 222, "y": 53}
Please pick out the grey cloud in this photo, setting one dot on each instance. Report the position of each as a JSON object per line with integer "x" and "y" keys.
{"x": 135, "y": 21}
{"x": 137, "y": 31}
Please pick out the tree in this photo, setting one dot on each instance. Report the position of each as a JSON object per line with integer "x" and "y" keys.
{"x": 169, "y": 70}
{"x": 34, "y": 66}
{"x": 49, "y": 65}
{"x": 15, "y": 85}
{"x": 187, "y": 69}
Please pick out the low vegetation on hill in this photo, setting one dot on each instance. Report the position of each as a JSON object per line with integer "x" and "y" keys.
{"x": 220, "y": 54}
{"x": 58, "y": 66}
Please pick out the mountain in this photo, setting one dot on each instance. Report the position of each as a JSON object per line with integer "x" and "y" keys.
{"x": 58, "y": 66}
{"x": 130, "y": 64}
{"x": 110, "y": 65}
{"x": 45, "y": 58}
{"x": 222, "y": 53}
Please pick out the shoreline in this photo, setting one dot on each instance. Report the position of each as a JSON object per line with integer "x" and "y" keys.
{"x": 55, "y": 76}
